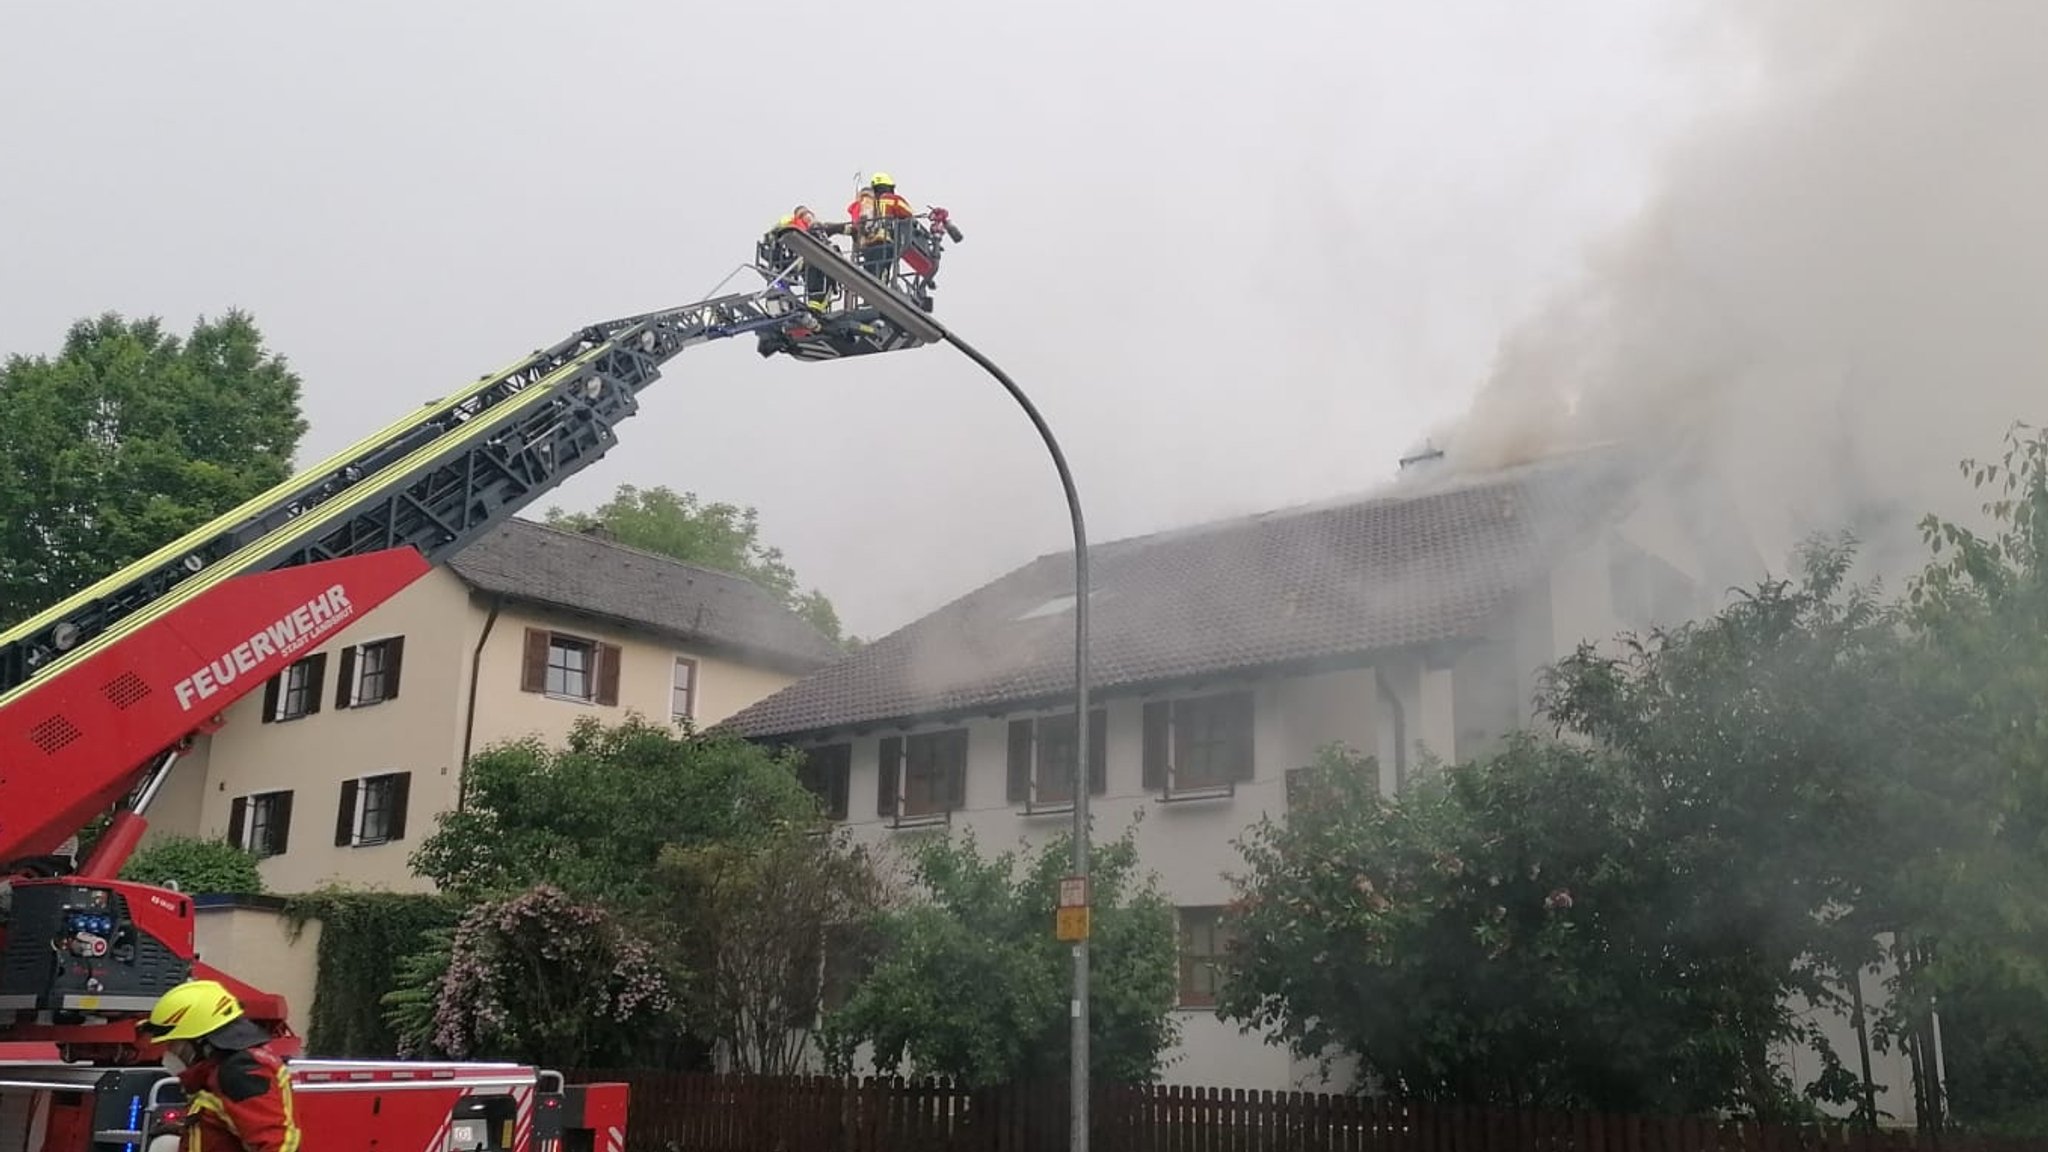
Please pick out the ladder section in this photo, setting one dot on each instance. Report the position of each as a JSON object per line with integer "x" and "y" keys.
{"x": 435, "y": 481}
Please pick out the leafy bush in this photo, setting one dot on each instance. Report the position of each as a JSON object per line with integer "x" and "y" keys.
{"x": 195, "y": 865}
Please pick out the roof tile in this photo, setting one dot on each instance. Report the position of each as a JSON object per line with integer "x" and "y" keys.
{"x": 548, "y": 566}
{"x": 1429, "y": 560}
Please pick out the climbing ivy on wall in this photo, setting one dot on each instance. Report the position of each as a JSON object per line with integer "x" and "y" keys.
{"x": 364, "y": 936}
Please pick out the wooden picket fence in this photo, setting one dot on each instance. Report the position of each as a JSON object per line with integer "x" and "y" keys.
{"x": 674, "y": 1112}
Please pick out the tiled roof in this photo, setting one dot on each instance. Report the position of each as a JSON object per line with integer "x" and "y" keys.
{"x": 1424, "y": 561}
{"x": 717, "y": 610}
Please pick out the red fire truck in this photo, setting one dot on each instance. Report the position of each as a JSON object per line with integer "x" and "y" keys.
{"x": 100, "y": 695}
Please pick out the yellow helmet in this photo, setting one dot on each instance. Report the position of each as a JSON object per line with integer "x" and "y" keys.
{"x": 193, "y": 1009}
{"x": 881, "y": 180}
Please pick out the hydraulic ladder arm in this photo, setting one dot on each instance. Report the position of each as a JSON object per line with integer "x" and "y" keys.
{"x": 100, "y": 692}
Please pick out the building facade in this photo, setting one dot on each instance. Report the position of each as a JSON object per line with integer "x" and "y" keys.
{"x": 335, "y": 771}
{"x": 1408, "y": 625}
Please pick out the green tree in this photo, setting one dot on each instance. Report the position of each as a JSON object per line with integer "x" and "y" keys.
{"x": 721, "y": 536}
{"x": 128, "y": 438}
{"x": 1974, "y": 875}
{"x": 1619, "y": 919}
{"x": 759, "y": 919}
{"x": 593, "y": 816}
{"x": 195, "y": 865}
{"x": 970, "y": 981}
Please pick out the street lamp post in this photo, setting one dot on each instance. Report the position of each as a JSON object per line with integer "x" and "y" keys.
{"x": 918, "y": 323}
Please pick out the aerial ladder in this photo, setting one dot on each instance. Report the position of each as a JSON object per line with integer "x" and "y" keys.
{"x": 101, "y": 693}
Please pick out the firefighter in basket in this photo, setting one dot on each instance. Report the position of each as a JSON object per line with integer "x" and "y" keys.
{"x": 879, "y": 220}
{"x": 238, "y": 1091}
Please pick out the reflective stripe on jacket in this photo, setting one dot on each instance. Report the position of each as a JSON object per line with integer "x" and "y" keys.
{"x": 240, "y": 1102}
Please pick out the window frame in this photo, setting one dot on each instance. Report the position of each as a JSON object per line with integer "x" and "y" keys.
{"x": 275, "y": 804}
{"x": 352, "y": 812}
{"x": 827, "y": 772}
{"x": 1224, "y": 725}
{"x": 941, "y": 753}
{"x": 1030, "y": 762}
{"x": 1191, "y": 990}
{"x": 311, "y": 672}
{"x": 684, "y": 679}
{"x": 537, "y": 666}
{"x": 388, "y": 652}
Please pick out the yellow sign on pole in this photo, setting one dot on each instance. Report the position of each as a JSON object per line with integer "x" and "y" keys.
{"x": 1072, "y": 923}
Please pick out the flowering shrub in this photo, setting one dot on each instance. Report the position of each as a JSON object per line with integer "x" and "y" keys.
{"x": 544, "y": 977}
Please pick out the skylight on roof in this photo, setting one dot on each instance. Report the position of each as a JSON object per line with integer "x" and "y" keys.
{"x": 1057, "y": 606}
{"x": 1052, "y": 607}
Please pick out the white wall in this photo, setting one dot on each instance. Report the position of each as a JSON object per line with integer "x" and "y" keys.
{"x": 1187, "y": 843}
{"x": 1442, "y": 710}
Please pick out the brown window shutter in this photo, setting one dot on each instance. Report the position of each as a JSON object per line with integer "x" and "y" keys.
{"x": 394, "y": 658}
{"x": 284, "y": 822}
{"x": 607, "y": 673}
{"x": 238, "y": 819}
{"x": 1098, "y": 751}
{"x": 345, "y": 816}
{"x": 890, "y": 759}
{"x": 1243, "y": 713}
{"x": 401, "y": 795}
{"x": 1158, "y": 742}
{"x": 1021, "y": 732}
{"x": 533, "y": 668}
{"x": 955, "y": 750}
{"x": 841, "y": 781}
{"x": 272, "y": 689}
{"x": 316, "y": 681}
{"x": 346, "y": 684}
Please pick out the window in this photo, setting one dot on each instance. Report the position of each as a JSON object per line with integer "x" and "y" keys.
{"x": 372, "y": 810}
{"x": 261, "y": 822}
{"x": 1646, "y": 590}
{"x": 1042, "y": 760}
{"x": 570, "y": 667}
{"x": 1203, "y": 944}
{"x": 295, "y": 692}
{"x": 827, "y": 772}
{"x": 369, "y": 673}
{"x": 1201, "y": 745}
{"x": 682, "y": 704}
{"x": 570, "y": 664}
{"x": 849, "y": 956}
{"x": 923, "y": 777}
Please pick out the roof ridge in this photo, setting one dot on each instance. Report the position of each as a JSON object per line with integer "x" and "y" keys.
{"x": 1445, "y": 481}
{"x": 663, "y": 557}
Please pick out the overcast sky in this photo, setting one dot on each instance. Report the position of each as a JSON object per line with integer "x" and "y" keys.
{"x": 1241, "y": 256}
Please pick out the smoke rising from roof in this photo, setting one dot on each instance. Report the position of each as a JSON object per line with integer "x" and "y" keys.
{"x": 1837, "y": 288}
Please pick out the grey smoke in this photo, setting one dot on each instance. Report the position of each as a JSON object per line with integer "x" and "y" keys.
{"x": 1837, "y": 287}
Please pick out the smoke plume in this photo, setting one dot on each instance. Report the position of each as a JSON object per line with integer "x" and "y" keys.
{"x": 1837, "y": 287}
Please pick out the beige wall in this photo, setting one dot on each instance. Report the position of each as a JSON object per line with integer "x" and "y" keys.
{"x": 646, "y": 677}
{"x": 256, "y": 945}
{"x": 1186, "y": 843}
{"x": 180, "y": 803}
{"x": 421, "y": 731}
{"x": 313, "y": 755}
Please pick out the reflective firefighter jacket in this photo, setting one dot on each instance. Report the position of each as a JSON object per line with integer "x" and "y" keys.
{"x": 239, "y": 1102}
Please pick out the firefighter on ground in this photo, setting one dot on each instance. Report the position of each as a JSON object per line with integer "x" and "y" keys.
{"x": 877, "y": 237}
{"x": 238, "y": 1091}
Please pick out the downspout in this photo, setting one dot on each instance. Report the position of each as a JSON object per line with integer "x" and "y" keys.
{"x": 476, "y": 660}
{"x": 1400, "y": 718}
